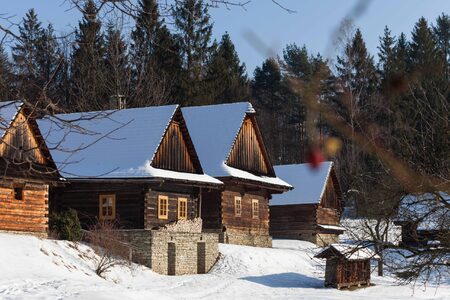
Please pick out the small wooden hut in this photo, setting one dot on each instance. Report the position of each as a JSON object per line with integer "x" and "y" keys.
{"x": 311, "y": 211}
{"x": 346, "y": 265}
{"x": 231, "y": 148}
{"x": 424, "y": 220}
{"x": 27, "y": 171}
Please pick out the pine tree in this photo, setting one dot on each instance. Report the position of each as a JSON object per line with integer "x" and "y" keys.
{"x": 357, "y": 71}
{"x": 192, "y": 22}
{"x": 50, "y": 66}
{"x": 168, "y": 60}
{"x": 88, "y": 71}
{"x": 267, "y": 84}
{"x": 401, "y": 55}
{"x": 226, "y": 77}
{"x": 356, "y": 105}
{"x": 144, "y": 34}
{"x": 357, "y": 74}
{"x": 26, "y": 58}
{"x": 6, "y": 76}
{"x": 269, "y": 95}
{"x": 302, "y": 72}
{"x": 442, "y": 33}
{"x": 154, "y": 57}
{"x": 297, "y": 62}
{"x": 424, "y": 52}
{"x": 386, "y": 55}
{"x": 117, "y": 67}
{"x": 428, "y": 100}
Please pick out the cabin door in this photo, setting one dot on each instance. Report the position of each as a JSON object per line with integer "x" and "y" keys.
{"x": 171, "y": 259}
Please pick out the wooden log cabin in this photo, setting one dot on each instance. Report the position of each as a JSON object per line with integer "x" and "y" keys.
{"x": 231, "y": 149}
{"x": 27, "y": 171}
{"x": 346, "y": 265}
{"x": 137, "y": 167}
{"x": 424, "y": 220}
{"x": 311, "y": 211}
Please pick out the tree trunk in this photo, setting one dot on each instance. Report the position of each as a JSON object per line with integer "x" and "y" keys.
{"x": 380, "y": 265}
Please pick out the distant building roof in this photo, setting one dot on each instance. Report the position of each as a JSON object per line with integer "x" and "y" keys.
{"x": 111, "y": 144}
{"x": 424, "y": 210}
{"x": 309, "y": 184}
{"x": 349, "y": 252}
{"x": 213, "y": 129}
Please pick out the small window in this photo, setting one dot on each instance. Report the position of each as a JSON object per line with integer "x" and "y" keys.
{"x": 237, "y": 206}
{"x": 182, "y": 209}
{"x": 18, "y": 193}
{"x": 255, "y": 208}
{"x": 107, "y": 207}
{"x": 163, "y": 207}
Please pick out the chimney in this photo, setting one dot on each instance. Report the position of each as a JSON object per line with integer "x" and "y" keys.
{"x": 117, "y": 101}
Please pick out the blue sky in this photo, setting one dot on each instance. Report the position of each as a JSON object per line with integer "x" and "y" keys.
{"x": 263, "y": 23}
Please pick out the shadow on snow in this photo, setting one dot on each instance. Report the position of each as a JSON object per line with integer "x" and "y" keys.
{"x": 286, "y": 280}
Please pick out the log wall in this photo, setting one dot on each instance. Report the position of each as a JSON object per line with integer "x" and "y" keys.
{"x": 244, "y": 223}
{"x": 352, "y": 273}
{"x": 84, "y": 198}
{"x": 327, "y": 216}
{"x": 136, "y": 204}
{"x": 27, "y": 215}
{"x": 293, "y": 221}
{"x": 300, "y": 221}
{"x": 151, "y": 207}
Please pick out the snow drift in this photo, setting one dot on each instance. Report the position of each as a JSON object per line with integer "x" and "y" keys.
{"x": 32, "y": 268}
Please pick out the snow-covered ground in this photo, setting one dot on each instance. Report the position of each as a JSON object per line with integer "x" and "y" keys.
{"x": 31, "y": 268}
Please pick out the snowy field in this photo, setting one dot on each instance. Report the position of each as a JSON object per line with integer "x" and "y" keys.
{"x": 31, "y": 268}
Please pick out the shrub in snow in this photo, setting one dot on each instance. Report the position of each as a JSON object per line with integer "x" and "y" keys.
{"x": 190, "y": 226}
{"x": 105, "y": 239}
{"x": 65, "y": 225}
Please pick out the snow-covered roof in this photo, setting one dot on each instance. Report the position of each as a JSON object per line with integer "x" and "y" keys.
{"x": 8, "y": 112}
{"x": 331, "y": 227}
{"x": 213, "y": 129}
{"x": 350, "y": 252}
{"x": 425, "y": 210}
{"x": 111, "y": 144}
{"x": 309, "y": 184}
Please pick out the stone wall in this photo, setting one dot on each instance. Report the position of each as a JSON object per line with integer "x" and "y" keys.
{"x": 174, "y": 253}
{"x": 141, "y": 241}
{"x": 246, "y": 239}
{"x": 325, "y": 239}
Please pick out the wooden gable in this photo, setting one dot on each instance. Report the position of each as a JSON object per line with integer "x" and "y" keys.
{"x": 176, "y": 151}
{"x": 20, "y": 143}
{"x": 23, "y": 152}
{"x": 249, "y": 152}
{"x": 332, "y": 197}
